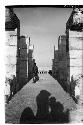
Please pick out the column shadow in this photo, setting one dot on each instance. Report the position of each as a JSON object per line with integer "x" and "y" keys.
{"x": 27, "y": 116}
{"x": 42, "y": 100}
{"x": 57, "y": 114}
{"x": 48, "y": 111}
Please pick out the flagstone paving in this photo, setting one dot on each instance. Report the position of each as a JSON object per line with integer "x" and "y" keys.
{"x": 26, "y": 97}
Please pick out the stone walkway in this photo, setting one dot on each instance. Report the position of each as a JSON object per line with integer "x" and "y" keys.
{"x": 26, "y": 97}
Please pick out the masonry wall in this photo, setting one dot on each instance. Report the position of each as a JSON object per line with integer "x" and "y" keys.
{"x": 23, "y": 75}
{"x": 76, "y": 53}
{"x": 30, "y": 64}
{"x": 11, "y": 53}
{"x": 60, "y": 61}
{"x": 74, "y": 34}
{"x": 12, "y": 31}
{"x": 55, "y": 65}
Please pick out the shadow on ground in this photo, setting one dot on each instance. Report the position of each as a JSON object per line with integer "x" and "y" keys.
{"x": 48, "y": 111}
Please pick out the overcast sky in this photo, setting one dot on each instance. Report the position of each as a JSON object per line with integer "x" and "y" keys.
{"x": 43, "y": 25}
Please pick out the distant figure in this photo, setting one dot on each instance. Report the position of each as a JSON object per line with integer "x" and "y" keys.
{"x": 7, "y": 91}
{"x": 35, "y": 73}
{"x": 13, "y": 86}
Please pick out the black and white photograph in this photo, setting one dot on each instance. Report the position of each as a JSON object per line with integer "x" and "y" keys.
{"x": 44, "y": 64}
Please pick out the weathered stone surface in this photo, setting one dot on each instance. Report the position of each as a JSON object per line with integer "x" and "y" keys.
{"x": 11, "y": 20}
{"x": 26, "y": 97}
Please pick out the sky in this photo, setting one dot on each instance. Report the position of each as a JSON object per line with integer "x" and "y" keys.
{"x": 43, "y": 26}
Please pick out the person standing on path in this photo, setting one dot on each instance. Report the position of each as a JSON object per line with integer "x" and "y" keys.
{"x": 35, "y": 73}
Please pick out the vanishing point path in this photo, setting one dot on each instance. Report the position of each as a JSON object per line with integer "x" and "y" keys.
{"x": 26, "y": 97}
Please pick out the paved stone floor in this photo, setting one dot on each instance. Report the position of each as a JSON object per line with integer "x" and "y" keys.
{"x": 26, "y": 97}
